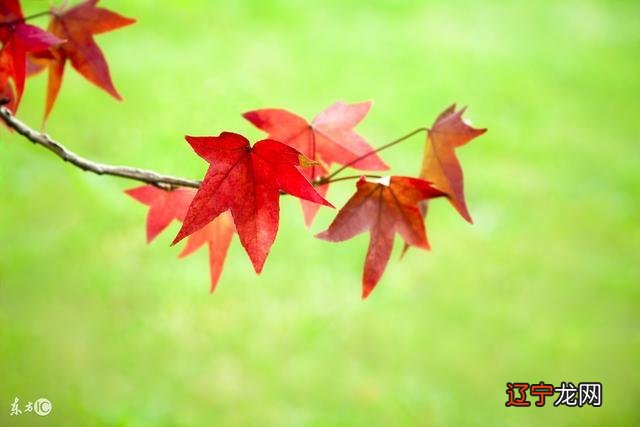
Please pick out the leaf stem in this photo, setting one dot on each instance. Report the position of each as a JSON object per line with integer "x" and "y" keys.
{"x": 25, "y": 19}
{"x": 327, "y": 179}
{"x": 37, "y": 15}
{"x": 344, "y": 178}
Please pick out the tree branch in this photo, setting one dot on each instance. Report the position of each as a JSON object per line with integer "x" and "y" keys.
{"x": 166, "y": 182}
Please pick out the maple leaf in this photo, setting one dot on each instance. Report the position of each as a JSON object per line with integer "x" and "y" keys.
{"x": 328, "y": 139}
{"x": 164, "y": 206}
{"x": 19, "y": 38}
{"x": 383, "y": 207}
{"x": 77, "y": 25}
{"x": 217, "y": 236}
{"x": 167, "y": 206}
{"x": 440, "y": 164}
{"x": 246, "y": 180}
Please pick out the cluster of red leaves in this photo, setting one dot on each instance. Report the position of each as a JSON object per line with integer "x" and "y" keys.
{"x": 241, "y": 190}
{"x": 328, "y": 139}
{"x": 27, "y": 49}
{"x": 247, "y": 181}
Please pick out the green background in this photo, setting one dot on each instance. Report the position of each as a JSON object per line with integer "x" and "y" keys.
{"x": 543, "y": 287}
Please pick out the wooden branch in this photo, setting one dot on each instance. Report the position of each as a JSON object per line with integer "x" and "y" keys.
{"x": 166, "y": 182}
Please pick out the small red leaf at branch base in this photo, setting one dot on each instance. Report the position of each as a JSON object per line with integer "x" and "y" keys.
{"x": 247, "y": 181}
{"x": 166, "y": 206}
{"x": 383, "y": 207}
{"x": 78, "y": 25}
{"x": 440, "y": 164}
{"x": 328, "y": 139}
{"x": 18, "y": 39}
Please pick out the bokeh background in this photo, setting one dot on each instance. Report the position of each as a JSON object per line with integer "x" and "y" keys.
{"x": 543, "y": 287}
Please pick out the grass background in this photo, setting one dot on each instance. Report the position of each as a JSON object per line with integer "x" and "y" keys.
{"x": 544, "y": 286}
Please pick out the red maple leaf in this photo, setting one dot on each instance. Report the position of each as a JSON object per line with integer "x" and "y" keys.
{"x": 18, "y": 38}
{"x": 440, "y": 164}
{"x": 164, "y": 206}
{"x": 217, "y": 236}
{"x": 383, "y": 207}
{"x": 247, "y": 180}
{"x": 167, "y": 206}
{"x": 78, "y": 25}
{"x": 328, "y": 139}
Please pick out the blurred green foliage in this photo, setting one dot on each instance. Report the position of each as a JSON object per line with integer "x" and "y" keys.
{"x": 544, "y": 286}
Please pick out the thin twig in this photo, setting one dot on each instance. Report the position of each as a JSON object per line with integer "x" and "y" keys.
{"x": 25, "y": 19}
{"x": 166, "y": 182}
{"x": 328, "y": 178}
{"x": 343, "y": 178}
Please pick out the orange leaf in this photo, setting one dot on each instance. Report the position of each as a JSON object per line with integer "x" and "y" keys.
{"x": 440, "y": 164}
